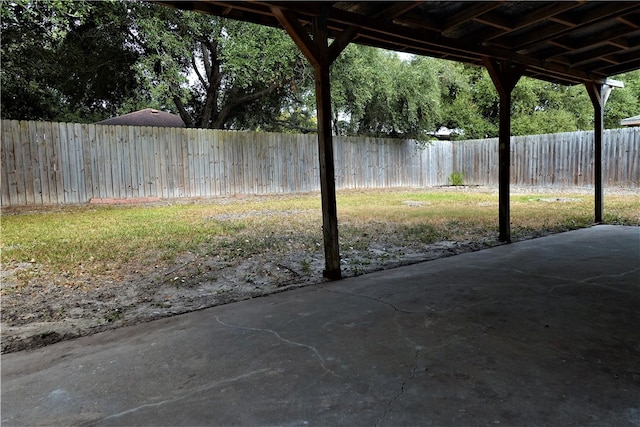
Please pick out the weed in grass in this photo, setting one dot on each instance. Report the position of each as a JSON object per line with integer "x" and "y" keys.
{"x": 113, "y": 316}
{"x": 613, "y": 218}
{"x": 306, "y": 266}
{"x": 422, "y": 232}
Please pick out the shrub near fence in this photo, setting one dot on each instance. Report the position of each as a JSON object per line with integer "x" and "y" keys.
{"x": 56, "y": 163}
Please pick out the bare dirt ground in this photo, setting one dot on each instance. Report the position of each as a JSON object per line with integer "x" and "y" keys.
{"x": 48, "y": 313}
{"x": 44, "y": 313}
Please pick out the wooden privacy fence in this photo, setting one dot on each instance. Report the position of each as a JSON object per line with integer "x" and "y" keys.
{"x": 54, "y": 163}
{"x": 553, "y": 160}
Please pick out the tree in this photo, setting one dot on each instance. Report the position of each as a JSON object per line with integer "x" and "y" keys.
{"x": 64, "y": 60}
{"x": 85, "y": 61}
{"x": 459, "y": 109}
{"x": 485, "y": 98}
{"x": 543, "y": 107}
{"x": 216, "y": 73}
{"x": 537, "y": 106}
{"x": 623, "y": 102}
{"x": 376, "y": 93}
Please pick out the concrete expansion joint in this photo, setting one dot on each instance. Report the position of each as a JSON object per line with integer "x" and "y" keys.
{"x": 314, "y": 350}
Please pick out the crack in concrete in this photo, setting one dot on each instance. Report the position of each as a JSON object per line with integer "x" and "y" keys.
{"x": 588, "y": 281}
{"x": 281, "y": 338}
{"x": 381, "y": 301}
{"x": 395, "y": 398}
{"x": 186, "y": 395}
{"x": 569, "y": 281}
{"x": 403, "y": 334}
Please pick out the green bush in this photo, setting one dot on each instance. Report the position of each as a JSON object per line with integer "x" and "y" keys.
{"x": 456, "y": 179}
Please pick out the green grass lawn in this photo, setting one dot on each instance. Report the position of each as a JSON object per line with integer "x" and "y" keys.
{"x": 105, "y": 239}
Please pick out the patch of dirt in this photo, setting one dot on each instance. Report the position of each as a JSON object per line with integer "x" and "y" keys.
{"x": 44, "y": 313}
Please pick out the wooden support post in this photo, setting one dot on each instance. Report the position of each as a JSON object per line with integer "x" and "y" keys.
{"x": 325, "y": 153}
{"x": 598, "y": 94}
{"x": 505, "y": 77}
{"x": 321, "y": 56}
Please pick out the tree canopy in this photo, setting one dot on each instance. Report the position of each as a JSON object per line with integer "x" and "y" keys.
{"x": 85, "y": 61}
{"x": 65, "y": 60}
{"x": 376, "y": 93}
{"x": 216, "y": 73}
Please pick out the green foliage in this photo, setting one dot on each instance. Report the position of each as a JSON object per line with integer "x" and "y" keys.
{"x": 470, "y": 102}
{"x": 64, "y": 60}
{"x": 216, "y": 73}
{"x": 84, "y": 61}
{"x": 460, "y": 109}
{"x": 542, "y": 107}
{"x": 623, "y": 102}
{"x": 456, "y": 179}
{"x": 376, "y": 93}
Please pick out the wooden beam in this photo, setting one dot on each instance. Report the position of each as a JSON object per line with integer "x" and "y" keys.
{"x": 581, "y": 58}
{"x": 298, "y": 34}
{"x": 325, "y": 152}
{"x": 629, "y": 63}
{"x": 489, "y": 34}
{"x": 422, "y": 42}
{"x": 505, "y": 76}
{"x": 595, "y": 16}
{"x": 419, "y": 22}
{"x": 341, "y": 42}
{"x": 496, "y": 21}
{"x": 468, "y": 13}
{"x": 594, "y": 39}
{"x": 397, "y": 9}
{"x": 327, "y": 175}
{"x": 427, "y": 42}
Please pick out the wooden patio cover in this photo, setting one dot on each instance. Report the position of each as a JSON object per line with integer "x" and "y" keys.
{"x": 566, "y": 42}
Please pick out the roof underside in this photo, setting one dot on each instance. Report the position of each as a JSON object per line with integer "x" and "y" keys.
{"x": 566, "y": 42}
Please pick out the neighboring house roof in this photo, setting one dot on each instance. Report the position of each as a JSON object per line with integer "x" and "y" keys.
{"x": 146, "y": 117}
{"x": 444, "y": 133}
{"x": 631, "y": 121}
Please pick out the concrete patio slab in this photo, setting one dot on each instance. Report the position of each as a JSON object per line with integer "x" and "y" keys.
{"x": 541, "y": 332}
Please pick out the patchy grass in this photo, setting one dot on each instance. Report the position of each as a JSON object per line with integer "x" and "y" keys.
{"x": 110, "y": 239}
{"x": 72, "y": 271}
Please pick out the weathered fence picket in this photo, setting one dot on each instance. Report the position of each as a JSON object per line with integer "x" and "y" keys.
{"x": 57, "y": 163}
